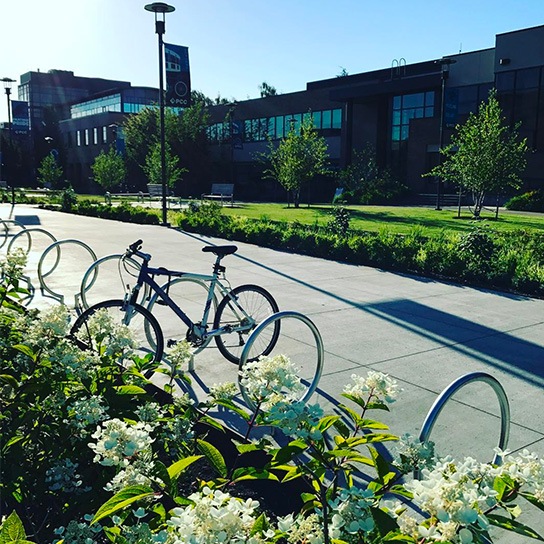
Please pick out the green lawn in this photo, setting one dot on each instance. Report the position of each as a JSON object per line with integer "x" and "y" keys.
{"x": 395, "y": 219}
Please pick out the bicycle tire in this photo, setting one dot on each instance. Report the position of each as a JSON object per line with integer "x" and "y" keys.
{"x": 258, "y": 303}
{"x": 81, "y": 333}
{"x": 193, "y": 305}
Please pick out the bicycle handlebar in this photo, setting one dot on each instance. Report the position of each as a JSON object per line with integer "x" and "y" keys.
{"x": 134, "y": 249}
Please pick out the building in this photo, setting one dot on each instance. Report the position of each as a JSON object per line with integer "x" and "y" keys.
{"x": 406, "y": 112}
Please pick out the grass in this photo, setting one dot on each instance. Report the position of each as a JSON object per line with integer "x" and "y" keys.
{"x": 397, "y": 219}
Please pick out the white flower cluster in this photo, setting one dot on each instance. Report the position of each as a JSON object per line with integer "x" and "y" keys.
{"x": 376, "y": 384}
{"x": 351, "y": 515}
{"x": 117, "y": 441}
{"x": 527, "y": 469}
{"x": 271, "y": 379}
{"x": 223, "y": 391}
{"x": 63, "y": 476}
{"x": 114, "y": 337}
{"x": 216, "y": 517}
{"x": 455, "y": 494}
{"x": 52, "y": 325}
{"x": 180, "y": 355}
{"x": 411, "y": 454}
{"x": 150, "y": 412}
{"x": 80, "y": 532}
{"x": 86, "y": 412}
{"x": 136, "y": 473}
{"x": 12, "y": 266}
{"x": 307, "y": 529}
{"x": 296, "y": 419}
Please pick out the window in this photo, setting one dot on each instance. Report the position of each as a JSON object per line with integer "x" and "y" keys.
{"x": 86, "y": 136}
{"x": 104, "y": 135}
{"x": 78, "y": 138}
{"x": 404, "y": 109}
{"x": 95, "y": 136}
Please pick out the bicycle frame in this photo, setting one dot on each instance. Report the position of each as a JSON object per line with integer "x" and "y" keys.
{"x": 146, "y": 276}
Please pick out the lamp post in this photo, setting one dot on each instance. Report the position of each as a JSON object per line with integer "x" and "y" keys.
{"x": 160, "y": 9}
{"x": 445, "y": 72}
{"x": 8, "y": 82}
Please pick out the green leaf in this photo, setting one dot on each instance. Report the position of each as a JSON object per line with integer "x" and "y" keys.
{"x": 28, "y": 351}
{"x": 533, "y": 500}
{"x": 285, "y": 454}
{"x": 327, "y": 422}
{"x": 514, "y": 526}
{"x": 160, "y": 471}
{"x": 250, "y": 473}
{"x": 211, "y": 422}
{"x": 178, "y": 467}
{"x": 214, "y": 457}
{"x": 12, "y": 530}
{"x": 122, "y": 499}
{"x": 233, "y": 408}
{"x": 260, "y": 525}
{"x": 342, "y": 428}
{"x": 10, "y": 380}
{"x": 400, "y": 490}
{"x": 246, "y": 448}
{"x": 129, "y": 390}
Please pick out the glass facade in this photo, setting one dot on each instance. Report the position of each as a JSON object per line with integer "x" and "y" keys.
{"x": 275, "y": 128}
{"x": 405, "y": 108}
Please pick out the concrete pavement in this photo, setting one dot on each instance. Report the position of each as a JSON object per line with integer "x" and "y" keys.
{"x": 424, "y": 333}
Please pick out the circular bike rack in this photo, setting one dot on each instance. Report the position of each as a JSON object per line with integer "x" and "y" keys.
{"x": 455, "y": 386}
{"x": 5, "y": 226}
{"x": 259, "y": 330}
{"x": 56, "y": 246}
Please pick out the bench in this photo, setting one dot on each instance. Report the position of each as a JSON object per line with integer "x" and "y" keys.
{"x": 155, "y": 189}
{"x": 220, "y": 191}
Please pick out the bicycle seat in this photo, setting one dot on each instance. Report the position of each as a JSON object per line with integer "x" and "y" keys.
{"x": 220, "y": 251}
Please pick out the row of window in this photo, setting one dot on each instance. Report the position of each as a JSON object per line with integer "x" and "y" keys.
{"x": 407, "y": 107}
{"x": 274, "y": 128}
{"x": 94, "y": 136}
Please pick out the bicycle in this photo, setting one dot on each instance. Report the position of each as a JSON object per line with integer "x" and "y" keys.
{"x": 240, "y": 310}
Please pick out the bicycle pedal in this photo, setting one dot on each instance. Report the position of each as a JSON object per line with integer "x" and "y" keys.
{"x": 171, "y": 342}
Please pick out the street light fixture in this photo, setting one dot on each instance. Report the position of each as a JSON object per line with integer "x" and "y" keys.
{"x": 160, "y": 9}
{"x": 8, "y": 82}
{"x": 444, "y": 63}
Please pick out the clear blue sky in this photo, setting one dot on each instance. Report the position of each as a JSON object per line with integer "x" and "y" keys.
{"x": 234, "y": 45}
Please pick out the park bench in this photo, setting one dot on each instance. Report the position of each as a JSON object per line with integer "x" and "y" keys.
{"x": 223, "y": 192}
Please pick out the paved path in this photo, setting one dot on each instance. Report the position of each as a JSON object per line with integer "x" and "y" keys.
{"x": 423, "y": 332}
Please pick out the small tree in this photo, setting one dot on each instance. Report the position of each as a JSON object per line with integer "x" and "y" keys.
{"x": 485, "y": 154}
{"x": 298, "y": 158}
{"x": 50, "y": 173}
{"x": 109, "y": 169}
{"x": 267, "y": 90}
{"x": 153, "y": 170}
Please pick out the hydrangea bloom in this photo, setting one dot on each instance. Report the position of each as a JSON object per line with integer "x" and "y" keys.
{"x": 117, "y": 441}
{"x": 295, "y": 418}
{"x": 527, "y": 469}
{"x": 271, "y": 379}
{"x": 136, "y": 473}
{"x": 216, "y": 517}
{"x": 63, "y": 476}
{"x": 86, "y": 412}
{"x": 351, "y": 515}
{"x": 411, "y": 454}
{"x": 150, "y": 412}
{"x": 224, "y": 391}
{"x": 377, "y": 384}
{"x": 180, "y": 354}
{"x": 305, "y": 529}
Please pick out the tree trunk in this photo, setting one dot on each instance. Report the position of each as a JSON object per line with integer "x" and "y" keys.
{"x": 296, "y": 198}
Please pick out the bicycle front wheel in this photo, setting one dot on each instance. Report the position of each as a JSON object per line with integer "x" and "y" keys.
{"x": 95, "y": 329}
{"x": 240, "y": 312}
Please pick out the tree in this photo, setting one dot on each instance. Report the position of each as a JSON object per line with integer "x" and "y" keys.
{"x": 485, "y": 154}
{"x": 109, "y": 169}
{"x": 153, "y": 170}
{"x": 50, "y": 173}
{"x": 267, "y": 90}
{"x": 298, "y": 158}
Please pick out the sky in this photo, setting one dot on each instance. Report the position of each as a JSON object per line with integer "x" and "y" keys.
{"x": 236, "y": 45}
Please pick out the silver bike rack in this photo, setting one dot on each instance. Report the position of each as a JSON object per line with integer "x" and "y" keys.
{"x": 260, "y": 328}
{"x": 447, "y": 393}
{"x": 41, "y": 275}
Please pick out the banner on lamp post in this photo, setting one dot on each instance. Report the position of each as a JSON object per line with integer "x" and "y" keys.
{"x": 20, "y": 118}
{"x": 178, "y": 77}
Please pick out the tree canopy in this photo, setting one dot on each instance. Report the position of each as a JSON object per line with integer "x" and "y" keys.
{"x": 485, "y": 154}
{"x": 109, "y": 169}
{"x": 299, "y": 157}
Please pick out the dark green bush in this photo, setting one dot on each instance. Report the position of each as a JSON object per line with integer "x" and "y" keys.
{"x": 532, "y": 201}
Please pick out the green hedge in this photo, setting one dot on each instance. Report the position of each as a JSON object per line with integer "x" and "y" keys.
{"x": 532, "y": 201}
{"x": 483, "y": 257}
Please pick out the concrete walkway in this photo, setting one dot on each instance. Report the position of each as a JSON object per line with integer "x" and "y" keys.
{"x": 422, "y": 332}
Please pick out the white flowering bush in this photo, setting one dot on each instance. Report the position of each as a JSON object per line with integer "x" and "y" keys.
{"x": 93, "y": 452}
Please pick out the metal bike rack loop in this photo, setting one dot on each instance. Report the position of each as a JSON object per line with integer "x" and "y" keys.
{"x": 268, "y": 321}
{"x": 447, "y": 393}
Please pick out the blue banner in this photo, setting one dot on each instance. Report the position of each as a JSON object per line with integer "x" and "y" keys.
{"x": 19, "y": 116}
{"x": 178, "y": 77}
{"x": 451, "y": 106}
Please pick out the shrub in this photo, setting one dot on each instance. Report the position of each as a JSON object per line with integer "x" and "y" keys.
{"x": 532, "y": 201}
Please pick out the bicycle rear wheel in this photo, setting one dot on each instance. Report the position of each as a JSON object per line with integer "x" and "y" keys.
{"x": 258, "y": 304}
{"x": 91, "y": 332}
